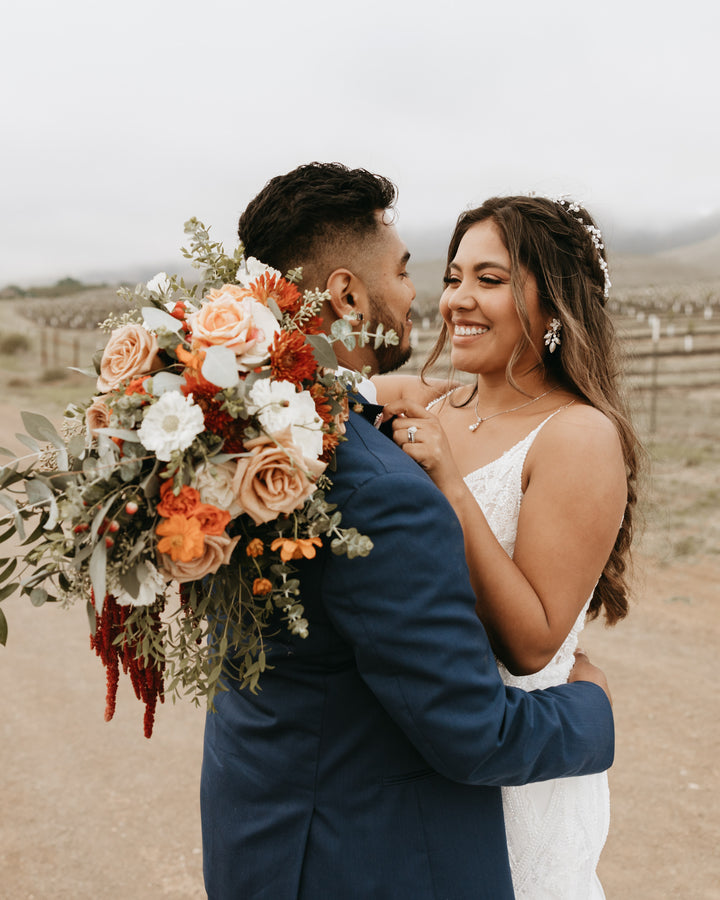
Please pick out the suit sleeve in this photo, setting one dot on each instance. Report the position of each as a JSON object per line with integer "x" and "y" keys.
{"x": 408, "y": 610}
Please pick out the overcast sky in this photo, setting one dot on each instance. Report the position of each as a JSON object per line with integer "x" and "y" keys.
{"x": 122, "y": 120}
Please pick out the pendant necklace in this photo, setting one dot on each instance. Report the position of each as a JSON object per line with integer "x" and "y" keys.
{"x": 481, "y": 419}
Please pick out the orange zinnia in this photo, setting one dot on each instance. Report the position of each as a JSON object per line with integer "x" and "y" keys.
{"x": 296, "y": 548}
{"x": 181, "y": 538}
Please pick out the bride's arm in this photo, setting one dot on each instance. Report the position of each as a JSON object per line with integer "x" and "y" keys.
{"x": 391, "y": 388}
{"x": 570, "y": 514}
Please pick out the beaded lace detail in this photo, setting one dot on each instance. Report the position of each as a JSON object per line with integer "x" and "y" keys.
{"x": 555, "y": 829}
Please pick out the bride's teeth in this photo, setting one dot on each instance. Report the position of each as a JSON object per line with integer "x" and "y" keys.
{"x": 466, "y": 330}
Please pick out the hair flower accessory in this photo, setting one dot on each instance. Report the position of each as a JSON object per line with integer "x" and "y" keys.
{"x": 180, "y": 495}
{"x": 595, "y": 237}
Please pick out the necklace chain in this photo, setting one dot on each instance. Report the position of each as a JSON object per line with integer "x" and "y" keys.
{"x": 481, "y": 419}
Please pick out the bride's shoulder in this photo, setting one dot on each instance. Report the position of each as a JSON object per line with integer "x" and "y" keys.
{"x": 581, "y": 431}
{"x": 409, "y": 387}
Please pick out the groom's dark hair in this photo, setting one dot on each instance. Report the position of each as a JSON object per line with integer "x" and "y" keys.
{"x": 312, "y": 213}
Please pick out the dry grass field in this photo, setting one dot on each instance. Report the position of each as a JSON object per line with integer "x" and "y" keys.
{"x": 93, "y": 811}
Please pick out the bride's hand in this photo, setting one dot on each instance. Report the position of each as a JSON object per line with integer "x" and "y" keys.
{"x": 420, "y": 434}
{"x": 584, "y": 670}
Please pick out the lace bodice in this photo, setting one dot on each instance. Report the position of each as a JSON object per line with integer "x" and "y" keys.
{"x": 497, "y": 487}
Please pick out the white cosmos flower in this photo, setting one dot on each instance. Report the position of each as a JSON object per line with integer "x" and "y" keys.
{"x": 279, "y": 406}
{"x": 160, "y": 283}
{"x": 152, "y": 584}
{"x": 251, "y": 270}
{"x": 171, "y": 424}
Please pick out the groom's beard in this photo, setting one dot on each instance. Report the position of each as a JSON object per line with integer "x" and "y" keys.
{"x": 389, "y": 357}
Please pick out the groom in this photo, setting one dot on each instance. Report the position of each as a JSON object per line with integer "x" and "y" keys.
{"x": 368, "y": 765}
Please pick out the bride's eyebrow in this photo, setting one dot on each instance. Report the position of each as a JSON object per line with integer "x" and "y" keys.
{"x": 478, "y": 267}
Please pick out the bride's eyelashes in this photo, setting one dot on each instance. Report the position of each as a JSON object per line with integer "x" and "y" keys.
{"x": 483, "y": 279}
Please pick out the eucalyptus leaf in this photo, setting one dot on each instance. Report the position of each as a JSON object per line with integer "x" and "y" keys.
{"x": 38, "y": 596}
{"x": 220, "y": 367}
{"x": 8, "y": 503}
{"x": 92, "y": 617}
{"x": 19, "y": 527}
{"x": 163, "y": 382}
{"x": 129, "y": 468}
{"x": 5, "y": 452}
{"x": 7, "y": 572}
{"x": 98, "y": 574}
{"x": 274, "y": 309}
{"x": 100, "y": 518}
{"x": 8, "y": 590}
{"x": 322, "y": 351}
{"x": 8, "y": 533}
{"x": 3, "y": 628}
{"x": 9, "y": 475}
{"x": 42, "y": 429}
{"x": 130, "y": 580}
{"x": 89, "y": 466}
{"x": 37, "y": 491}
{"x": 154, "y": 319}
{"x": 28, "y": 441}
{"x": 76, "y": 446}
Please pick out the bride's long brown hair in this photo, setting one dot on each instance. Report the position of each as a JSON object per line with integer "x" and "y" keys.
{"x": 546, "y": 238}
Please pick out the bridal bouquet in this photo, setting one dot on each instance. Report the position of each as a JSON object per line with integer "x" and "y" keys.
{"x": 199, "y": 463}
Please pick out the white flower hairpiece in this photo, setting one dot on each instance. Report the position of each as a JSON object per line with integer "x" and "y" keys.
{"x": 595, "y": 236}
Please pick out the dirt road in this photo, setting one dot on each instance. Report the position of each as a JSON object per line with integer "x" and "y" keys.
{"x": 94, "y": 811}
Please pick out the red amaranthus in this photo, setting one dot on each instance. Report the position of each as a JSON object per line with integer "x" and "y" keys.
{"x": 147, "y": 680}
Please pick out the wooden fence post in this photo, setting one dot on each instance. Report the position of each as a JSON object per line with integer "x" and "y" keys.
{"x": 655, "y": 325}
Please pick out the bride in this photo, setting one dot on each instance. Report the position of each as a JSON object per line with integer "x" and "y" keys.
{"x": 539, "y": 460}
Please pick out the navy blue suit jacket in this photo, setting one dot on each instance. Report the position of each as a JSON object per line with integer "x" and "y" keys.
{"x": 367, "y": 767}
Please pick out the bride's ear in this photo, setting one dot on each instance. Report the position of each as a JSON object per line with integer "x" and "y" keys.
{"x": 348, "y": 295}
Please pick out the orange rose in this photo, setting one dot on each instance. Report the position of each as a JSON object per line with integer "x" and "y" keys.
{"x": 184, "y": 504}
{"x": 212, "y": 520}
{"x": 274, "y": 480}
{"x": 230, "y": 317}
{"x": 97, "y": 415}
{"x": 131, "y": 351}
{"x": 180, "y": 537}
{"x": 217, "y": 552}
{"x": 261, "y": 586}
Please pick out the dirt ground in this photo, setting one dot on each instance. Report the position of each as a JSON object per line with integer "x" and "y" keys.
{"x": 94, "y": 811}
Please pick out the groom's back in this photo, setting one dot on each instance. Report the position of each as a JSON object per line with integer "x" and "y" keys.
{"x": 311, "y": 790}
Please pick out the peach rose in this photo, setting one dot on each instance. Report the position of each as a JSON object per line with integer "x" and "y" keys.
{"x": 230, "y": 317}
{"x": 97, "y": 415}
{"x": 131, "y": 351}
{"x": 184, "y": 503}
{"x": 217, "y": 552}
{"x": 274, "y": 479}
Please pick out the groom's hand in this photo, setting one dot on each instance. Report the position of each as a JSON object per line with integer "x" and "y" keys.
{"x": 584, "y": 670}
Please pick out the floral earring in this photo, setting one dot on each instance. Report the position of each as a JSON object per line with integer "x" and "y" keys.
{"x": 552, "y": 335}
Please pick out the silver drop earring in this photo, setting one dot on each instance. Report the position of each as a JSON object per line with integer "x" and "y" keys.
{"x": 552, "y": 335}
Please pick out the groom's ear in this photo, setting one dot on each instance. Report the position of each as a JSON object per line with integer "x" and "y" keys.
{"x": 348, "y": 295}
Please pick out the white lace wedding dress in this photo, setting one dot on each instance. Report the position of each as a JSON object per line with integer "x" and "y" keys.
{"x": 555, "y": 829}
